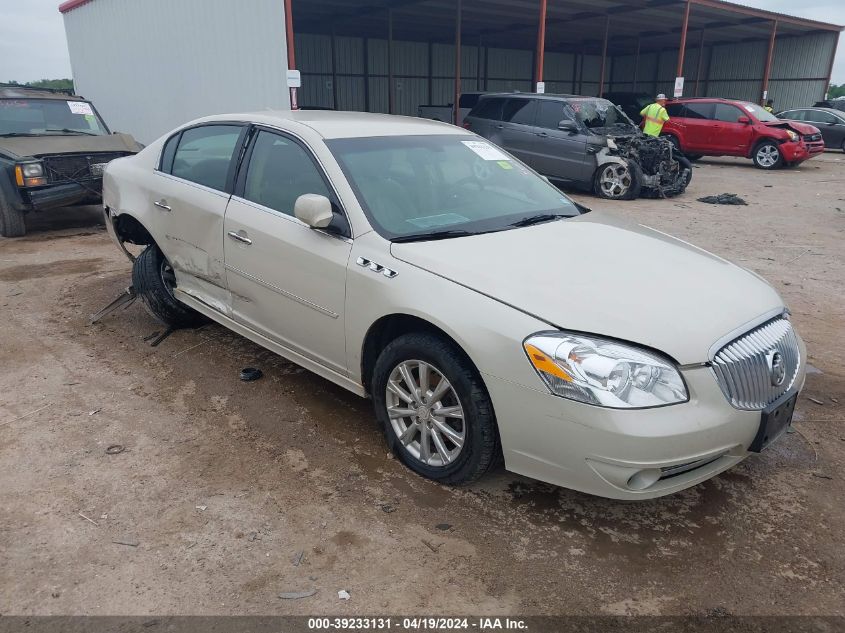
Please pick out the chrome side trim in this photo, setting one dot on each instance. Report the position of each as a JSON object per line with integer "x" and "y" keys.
{"x": 284, "y": 293}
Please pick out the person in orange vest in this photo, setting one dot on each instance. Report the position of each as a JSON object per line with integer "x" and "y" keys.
{"x": 654, "y": 116}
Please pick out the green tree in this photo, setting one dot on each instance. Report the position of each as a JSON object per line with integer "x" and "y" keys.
{"x": 836, "y": 91}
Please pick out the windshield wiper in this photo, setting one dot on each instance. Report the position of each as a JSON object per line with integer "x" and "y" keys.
{"x": 11, "y": 134}
{"x": 538, "y": 219}
{"x": 69, "y": 131}
{"x": 434, "y": 235}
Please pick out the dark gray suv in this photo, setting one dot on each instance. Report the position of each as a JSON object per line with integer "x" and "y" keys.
{"x": 582, "y": 142}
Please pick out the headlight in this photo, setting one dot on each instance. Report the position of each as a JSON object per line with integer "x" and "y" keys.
{"x": 32, "y": 170}
{"x": 603, "y": 372}
{"x": 792, "y": 135}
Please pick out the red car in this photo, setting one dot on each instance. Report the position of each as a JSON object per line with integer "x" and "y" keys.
{"x": 722, "y": 127}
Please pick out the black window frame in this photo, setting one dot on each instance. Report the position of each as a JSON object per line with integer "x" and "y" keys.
{"x": 710, "y": 104}
{"x": 497, "y": 101}
{"x": 340, "y": 226}
{"x": 237, "y": 153}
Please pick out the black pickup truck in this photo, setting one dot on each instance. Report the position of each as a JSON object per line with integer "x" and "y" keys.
{"x": 53, "y": 149}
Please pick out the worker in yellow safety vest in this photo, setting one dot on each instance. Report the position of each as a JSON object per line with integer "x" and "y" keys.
{"x": 770, "y": 106}
{"x": 654, "y": 116}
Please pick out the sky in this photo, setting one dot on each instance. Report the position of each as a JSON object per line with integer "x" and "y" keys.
{"x": 33, "y": 45}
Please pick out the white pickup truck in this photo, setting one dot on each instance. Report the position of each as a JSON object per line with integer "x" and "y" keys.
{"x": 447, "y": 112}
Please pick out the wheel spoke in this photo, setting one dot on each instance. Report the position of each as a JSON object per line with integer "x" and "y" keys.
{"x": 449, "y": 412}
{"x": 398, "y": 412}
{"x": 409, "y": 434}
{"x": 440, "y": 390}
{"x": 424, "y": 379}
{"x": 440, "y": 446}
{"x": 395, "y": 389}
{"x": 425, "y": 450}
{"x": 408, "y": 377}
{"x": 456, "y": 438}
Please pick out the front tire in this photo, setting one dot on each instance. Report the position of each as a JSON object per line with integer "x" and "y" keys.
{"x": 617, "y": 181}
{"x": 435, "y": 410}
{"x": 154, "y": 281}
{"x": 12, "y": 222}
{"x": 767, "y": 155}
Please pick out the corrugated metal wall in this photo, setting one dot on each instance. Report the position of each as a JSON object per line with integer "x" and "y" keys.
{"x": 151, "y": 66}
{"x": 424, "y": 74}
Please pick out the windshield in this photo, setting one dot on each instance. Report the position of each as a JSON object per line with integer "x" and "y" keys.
{"x": 759, "y": 112}
{"x": 43, "y": 117}
{"x": 417, "y": 185}
{"x": 599, "y": 114}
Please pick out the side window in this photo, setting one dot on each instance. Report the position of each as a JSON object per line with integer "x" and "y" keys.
{"x": 551, "y": 114}
{"x": 468, "y": 100}
{"x": 489, "y": 108}
{"x": 205, "y": 154}
{"x": 280, "y": 170}
{"x": 168, "y": 153}
{"x": 728, "y": 113}
{"x": 814, "y": 116}
{"x": 521, "y": 111}
{"x": 675, "y": 110}
{"x": 794, "y": 115}
{"x": 699, "y": 111}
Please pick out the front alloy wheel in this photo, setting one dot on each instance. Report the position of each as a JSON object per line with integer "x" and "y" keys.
{"x": 434, "y": 408}
{"x": 618, "y": 181}
{"x": 425, "y": 413}
{"x": 768, "y": 156}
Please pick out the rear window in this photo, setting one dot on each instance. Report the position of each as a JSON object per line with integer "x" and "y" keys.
{"x": 205, "y": 154}
{"x": 675, "y": 110}
{"x": 468, "y": 100}
{"x": 520, "y": 111}
{"x": 699, "y": 110}
{"x": 489, "y": 108}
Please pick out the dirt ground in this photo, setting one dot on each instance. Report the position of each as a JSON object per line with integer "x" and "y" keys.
{"x": 224, "y": 486}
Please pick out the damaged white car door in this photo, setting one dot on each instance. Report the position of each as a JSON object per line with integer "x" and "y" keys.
{"x": 189, "y": 201}
{"x": 287, "y": 280}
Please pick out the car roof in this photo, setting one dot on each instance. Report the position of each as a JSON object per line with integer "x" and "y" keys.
{"x": 828, "y": 110}
{"x": 546, "y": 95}
{"x": 25, "y": 92}
{"x": 339, "y": 124}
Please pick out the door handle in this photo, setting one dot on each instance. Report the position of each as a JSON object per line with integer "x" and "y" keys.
{"x": 162, "y": 204}
{"x": 543, "y": 134}
{"x": 239, "y": 237}
{"x": 500, "y": 127}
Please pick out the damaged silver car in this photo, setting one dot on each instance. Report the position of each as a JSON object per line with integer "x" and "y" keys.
{"x": 582, "y": 142}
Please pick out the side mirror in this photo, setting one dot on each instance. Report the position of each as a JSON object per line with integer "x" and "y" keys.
{"x": 313, "y": 209}
{"x": 743, "y": 119}
{"x": 567, "y": 126}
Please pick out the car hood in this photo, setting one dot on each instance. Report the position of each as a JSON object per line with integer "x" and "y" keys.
{"x": 798, "y": 126}
{"x": 602, "y": 275}
{"x": 25, "y": 146}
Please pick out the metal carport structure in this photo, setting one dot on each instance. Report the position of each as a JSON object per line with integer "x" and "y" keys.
{"x": 394, "y": 55}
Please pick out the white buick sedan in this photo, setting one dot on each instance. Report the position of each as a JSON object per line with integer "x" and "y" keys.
{"x": 486, "y": 314}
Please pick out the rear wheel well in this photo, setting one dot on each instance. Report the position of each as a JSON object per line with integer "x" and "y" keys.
{"x": 128, "y": 229}
{"x": 387, "y": 329}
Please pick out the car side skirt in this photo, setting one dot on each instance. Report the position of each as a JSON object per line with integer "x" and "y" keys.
{"x": 281, "y": 350}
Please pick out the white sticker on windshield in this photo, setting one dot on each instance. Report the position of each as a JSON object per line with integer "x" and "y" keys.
{"x": 486, "y": 151}
{"x": 749, "y": 107}
{"x": 80, "y": 107}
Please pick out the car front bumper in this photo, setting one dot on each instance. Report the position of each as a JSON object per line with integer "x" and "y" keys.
{"x": 62, "y": 195}
{"x": 624, "y": 454}
{"x": 797, "y": 152}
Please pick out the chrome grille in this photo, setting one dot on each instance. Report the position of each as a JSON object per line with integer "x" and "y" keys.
{"x": 744, "y": 367}
{"x": 812, "y": 138}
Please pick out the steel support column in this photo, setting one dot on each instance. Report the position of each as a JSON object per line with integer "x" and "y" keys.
{"x": 769, "y": 57}
{"x": 683, "y": 47}
{"x": 604, "y": 55}
{"x": 830, "y": 68}
{"x": 390, "y": 98}
{"x": 291, "y": 50}
{"x": 334, "y": 67}
{"x": 457, "y": 106}
{"x": 700, "y": 62}
{"x": 541, "y": 44}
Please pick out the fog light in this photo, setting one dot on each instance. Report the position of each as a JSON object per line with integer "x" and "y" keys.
{"x": 644, "y": 479}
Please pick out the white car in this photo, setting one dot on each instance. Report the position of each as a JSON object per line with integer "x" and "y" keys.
{"x": 485, "y": 313}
